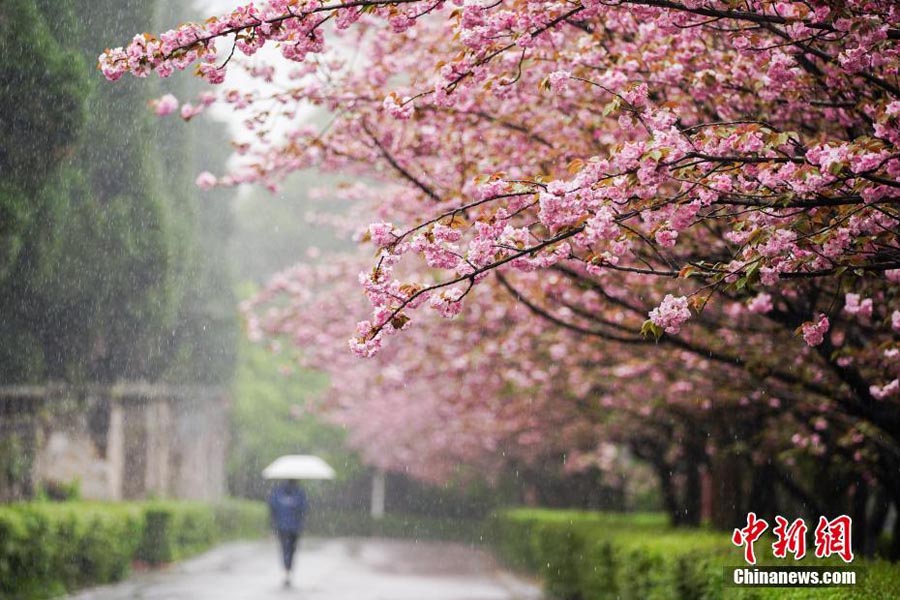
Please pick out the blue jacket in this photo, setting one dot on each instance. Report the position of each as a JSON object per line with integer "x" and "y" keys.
{"x": 287, "y": 508}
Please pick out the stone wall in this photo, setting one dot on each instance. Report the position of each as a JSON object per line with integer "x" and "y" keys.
{"x": 121, "y": 442}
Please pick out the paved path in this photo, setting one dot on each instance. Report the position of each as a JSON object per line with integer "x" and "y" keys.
{"x": 335, "y": 569}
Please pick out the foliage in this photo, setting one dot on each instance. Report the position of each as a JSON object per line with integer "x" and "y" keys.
{"x": 42, "y": 111}
{"x": 271, "y": 416}
{"x": 177, "y": 529}
{"x": 42, "y": 99}
{"x": 15, "y": 464}
{"x": 59, "y": 491}
{"x": 582, "y": 556}
{"x": 49, "y": 548}
{"x": 115, "y": 269}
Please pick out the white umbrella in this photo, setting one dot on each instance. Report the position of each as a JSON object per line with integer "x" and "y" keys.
{"x": 298, "y": 466}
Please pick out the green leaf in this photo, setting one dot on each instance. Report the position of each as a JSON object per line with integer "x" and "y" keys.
{"x": 650, "y": 328}
{"x": 610, "y": 107}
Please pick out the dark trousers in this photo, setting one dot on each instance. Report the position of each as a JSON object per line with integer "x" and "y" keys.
{"x": 288, "y": 541}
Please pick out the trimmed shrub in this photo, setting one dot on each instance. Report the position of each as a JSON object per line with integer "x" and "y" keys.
{"x": 47, "y": 549}
{"x": 174, "y": 530}
{"x": 591, "y": 556}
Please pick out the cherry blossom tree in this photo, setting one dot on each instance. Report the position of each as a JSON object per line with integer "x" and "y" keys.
{"x": 505, "y": 387}
{"x": 715, "y": 181}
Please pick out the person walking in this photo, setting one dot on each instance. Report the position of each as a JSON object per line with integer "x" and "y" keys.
{"x": 287, "y": 509}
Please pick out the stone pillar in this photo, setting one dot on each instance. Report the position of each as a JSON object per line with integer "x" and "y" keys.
{"x": 134, "y": 419}
{"x": 158, "y": 425}
{"x": 378, "y": 494}
{"x": 115, "y": 449}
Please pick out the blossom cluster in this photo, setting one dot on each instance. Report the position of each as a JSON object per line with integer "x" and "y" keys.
{"x": 293, "y": 25}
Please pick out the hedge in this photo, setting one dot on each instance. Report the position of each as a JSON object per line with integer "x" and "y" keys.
{"x": 175, "y": 530}
{"x": 592, "y": 556}
{"x": 47, "y": 549}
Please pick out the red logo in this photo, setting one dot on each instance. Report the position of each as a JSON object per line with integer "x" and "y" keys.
{"x": 791, "y": 538}
{"x": 830, "y": 537}
{"x": 748, "y": 535}
{"x": 833, "y": 537}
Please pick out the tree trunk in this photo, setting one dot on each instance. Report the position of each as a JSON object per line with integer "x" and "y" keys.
{"x": 860, "y": 517}
{"x": 881, "y": 506}
{"x": 895, "y": 540}
{"x": 669, "y": 494}
{"x": 727, "y": 487}
{"x": 692, "y": 495}
{"x": 762, "y": 492}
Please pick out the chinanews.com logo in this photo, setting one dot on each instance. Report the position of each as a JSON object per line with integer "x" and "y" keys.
{"x": 830, "y": 538}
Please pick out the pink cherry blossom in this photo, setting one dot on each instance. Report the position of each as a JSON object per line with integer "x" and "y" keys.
{"x": 559, "y": 80}
{"x": 761, "y": 303}
{"x": 885, "y": 391}
{"x": 671, "y": 313}
{"x": 854, "y": 306}
{"x": 814, "y": 331}
{"x": 189, "y": 111}
{"x": 165, "y": 105}
{"x": 206, "y": 180}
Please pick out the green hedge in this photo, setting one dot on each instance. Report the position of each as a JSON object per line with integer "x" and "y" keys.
{"x": 47, "y": 549}
{"x": 591, "y": 556}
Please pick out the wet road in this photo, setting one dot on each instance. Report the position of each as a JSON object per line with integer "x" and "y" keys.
{"x": 334, "y": 569}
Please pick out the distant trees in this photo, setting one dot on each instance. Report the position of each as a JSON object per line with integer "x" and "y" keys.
{"x": 110, "y": 265}
{"x": 42, "y": 111}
